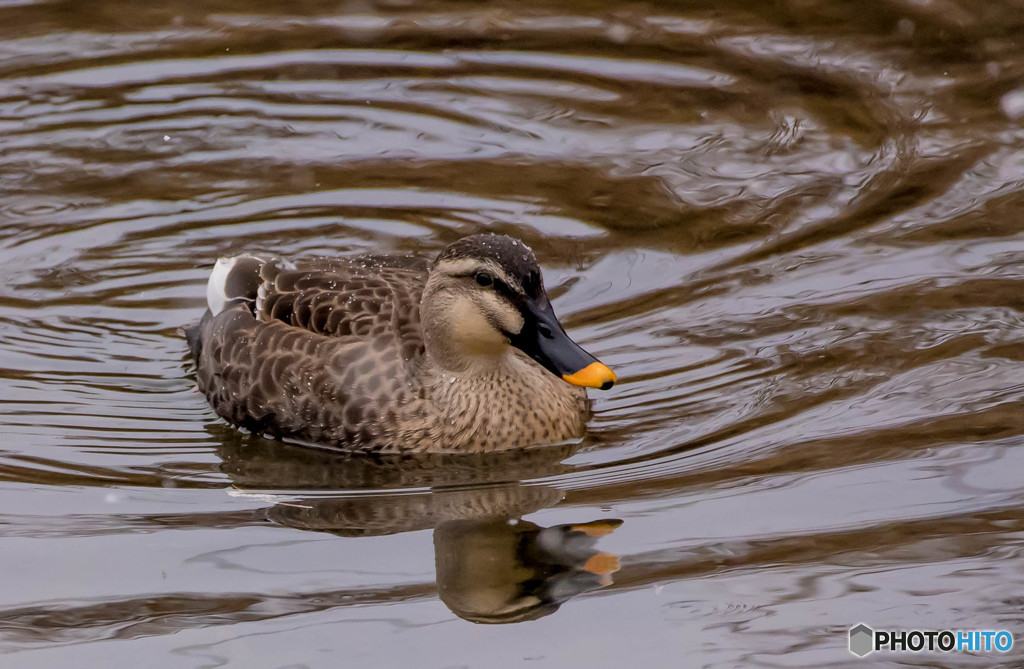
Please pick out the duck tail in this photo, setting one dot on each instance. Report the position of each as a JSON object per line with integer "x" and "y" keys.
{"x": 235, "y": 278}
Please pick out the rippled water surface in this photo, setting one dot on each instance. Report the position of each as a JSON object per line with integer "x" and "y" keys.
{"x": 795, "y": 229}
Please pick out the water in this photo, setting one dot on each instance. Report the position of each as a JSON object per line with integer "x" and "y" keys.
{"x": 793, "y": 229}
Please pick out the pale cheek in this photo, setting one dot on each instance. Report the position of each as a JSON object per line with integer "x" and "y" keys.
{"x": 472, "y": 332}
{"x": 512, "y": 323}
{"x": 508, "y": 319}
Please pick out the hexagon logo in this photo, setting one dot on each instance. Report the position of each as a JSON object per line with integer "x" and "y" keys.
{"x": 862, "y": 640}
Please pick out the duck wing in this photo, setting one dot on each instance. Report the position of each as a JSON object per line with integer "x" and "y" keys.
{"x": 319, "y": 350}
{"x": 365, "y": 298}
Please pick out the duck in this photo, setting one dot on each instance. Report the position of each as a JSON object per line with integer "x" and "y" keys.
{"x": 392, "y": 353}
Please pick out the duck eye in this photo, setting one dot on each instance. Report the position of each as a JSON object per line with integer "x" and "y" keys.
{"x": 484, "y": 279}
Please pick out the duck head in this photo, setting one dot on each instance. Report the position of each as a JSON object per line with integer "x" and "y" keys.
{"x": 484, "y": 294}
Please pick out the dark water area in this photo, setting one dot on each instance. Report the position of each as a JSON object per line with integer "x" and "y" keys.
{"x": 794, "y": 229}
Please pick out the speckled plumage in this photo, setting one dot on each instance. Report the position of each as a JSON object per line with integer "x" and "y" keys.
{"x": 332, "y": 352}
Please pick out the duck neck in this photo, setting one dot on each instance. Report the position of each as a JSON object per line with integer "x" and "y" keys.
{"x": 506, "y": 404}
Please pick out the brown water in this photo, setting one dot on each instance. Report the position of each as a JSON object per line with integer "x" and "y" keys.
{"x": 795, "y": 229}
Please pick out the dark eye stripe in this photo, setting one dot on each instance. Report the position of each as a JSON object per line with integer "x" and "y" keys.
{"x": 508, "y": 293}
{"x": 499, "y": 286}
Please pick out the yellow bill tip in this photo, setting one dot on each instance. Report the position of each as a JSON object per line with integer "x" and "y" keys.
{"x": 603, "y": 565}
{"x": 594, "y": 375}
{"x": 597, "y": 528}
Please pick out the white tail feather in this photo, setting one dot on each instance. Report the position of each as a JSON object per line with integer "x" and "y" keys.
{"x": 238, "y": 278}
{"x": 216, "y": 287}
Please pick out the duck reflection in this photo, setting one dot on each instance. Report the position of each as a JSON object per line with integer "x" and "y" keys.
{"x": 497, "y": 571}
{"x": 491, "y": 566}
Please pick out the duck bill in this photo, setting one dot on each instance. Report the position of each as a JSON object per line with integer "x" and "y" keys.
{"x": 544, "y": 340}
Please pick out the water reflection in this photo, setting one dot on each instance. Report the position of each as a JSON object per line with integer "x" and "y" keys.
{"x": 254, "y": 463}
{"x": 507, "y": 571}
{"x": 492, "y": 566}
